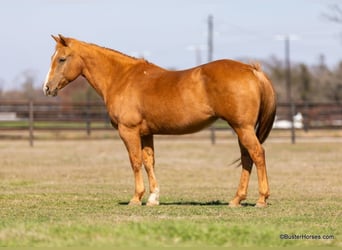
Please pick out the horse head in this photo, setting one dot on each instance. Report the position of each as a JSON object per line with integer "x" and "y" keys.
{"x": 66, "y": 66}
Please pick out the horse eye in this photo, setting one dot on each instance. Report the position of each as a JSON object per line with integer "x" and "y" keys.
{"x": 62, "y": 59}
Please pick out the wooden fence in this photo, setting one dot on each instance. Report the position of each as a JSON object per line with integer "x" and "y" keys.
{"x": 32, "y": 116}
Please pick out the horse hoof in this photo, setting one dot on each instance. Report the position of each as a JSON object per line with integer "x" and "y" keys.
{"x": 134, "y": 203}
{"x": 261, "y": 204}
{"x": 234, "y": 205}
{"x": 152, "y": 203}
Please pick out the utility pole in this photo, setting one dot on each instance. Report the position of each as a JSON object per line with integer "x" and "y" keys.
{"x": 210, "y": 58}
{"x": 210, "y": 38}
{"x": 288, "y": 88}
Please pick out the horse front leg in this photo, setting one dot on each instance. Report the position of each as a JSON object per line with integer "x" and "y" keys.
{"x": 148, "y": 160}
{"x": 132, "y": 140}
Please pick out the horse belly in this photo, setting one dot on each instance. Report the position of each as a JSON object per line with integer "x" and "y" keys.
{"x": 179, "y": 122}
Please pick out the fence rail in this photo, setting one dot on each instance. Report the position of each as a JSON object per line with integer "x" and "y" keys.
{"x": 90, "y": 116}
{"x": 315, "y": 115}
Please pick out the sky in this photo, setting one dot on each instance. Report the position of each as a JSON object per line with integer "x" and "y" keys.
{"x": 165, "y": 32}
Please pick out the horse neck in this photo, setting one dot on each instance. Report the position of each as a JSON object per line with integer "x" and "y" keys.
{"x": 103, "y": 66}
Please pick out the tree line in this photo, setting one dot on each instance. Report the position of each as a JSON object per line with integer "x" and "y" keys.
{"x": 310, "y": 83}
{"x": 314, "y": 83}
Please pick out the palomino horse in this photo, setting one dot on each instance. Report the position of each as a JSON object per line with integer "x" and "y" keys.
{"x": 143, "y": 99}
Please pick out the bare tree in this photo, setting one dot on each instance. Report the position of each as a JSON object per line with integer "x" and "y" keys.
{"x": 335, "y": 13}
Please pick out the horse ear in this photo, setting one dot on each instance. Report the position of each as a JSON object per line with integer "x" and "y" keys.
{"x": 60, "y": 39}
{"x": 56, "y": 38}
{"x": 63, "y": 40}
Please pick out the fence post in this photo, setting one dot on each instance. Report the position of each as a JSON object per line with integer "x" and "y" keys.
{"x": 31, "y": 123}
{"x": 88, "y": 125}
{"x": 293, "y": 129}
{"x": 212, "y": 135}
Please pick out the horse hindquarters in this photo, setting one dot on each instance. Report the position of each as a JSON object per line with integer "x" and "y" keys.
{"x": 248, "y": 104}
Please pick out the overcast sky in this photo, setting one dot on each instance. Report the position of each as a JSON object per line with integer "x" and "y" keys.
{"x": 164, "y": 31}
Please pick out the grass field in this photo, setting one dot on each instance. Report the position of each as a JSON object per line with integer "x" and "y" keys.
{"x": 75, "y": 193}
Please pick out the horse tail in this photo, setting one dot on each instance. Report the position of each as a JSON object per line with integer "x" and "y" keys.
{"x": 268, "y": 105}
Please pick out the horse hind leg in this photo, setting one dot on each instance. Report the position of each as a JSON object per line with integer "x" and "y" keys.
{"x": 251, "y": 144}
{"x": 247, "y": 164}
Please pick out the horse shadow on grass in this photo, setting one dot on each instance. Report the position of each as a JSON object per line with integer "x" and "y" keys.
{"x": 195, "y": 203}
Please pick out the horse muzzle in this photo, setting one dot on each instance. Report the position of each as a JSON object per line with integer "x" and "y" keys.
{"x": 50, "y": 92}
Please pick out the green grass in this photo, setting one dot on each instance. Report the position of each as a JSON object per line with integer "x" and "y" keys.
{"x": 85, "y": 222}
{"x": 75, "y": 193}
